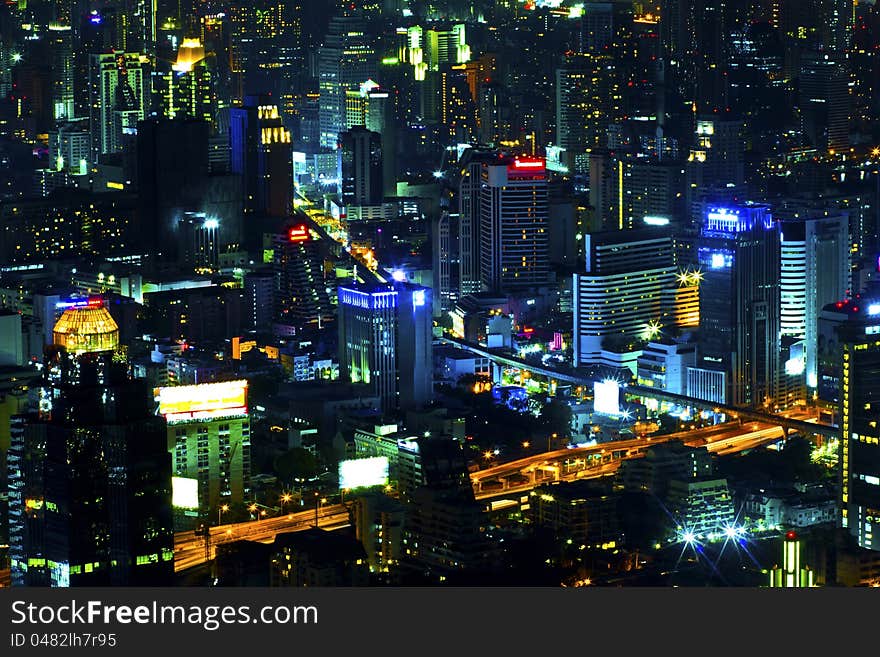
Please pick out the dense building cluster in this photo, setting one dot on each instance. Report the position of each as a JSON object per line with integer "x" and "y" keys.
{"x": 382, "y": 292}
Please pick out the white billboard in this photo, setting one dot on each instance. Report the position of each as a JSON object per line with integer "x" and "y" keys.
{"x": 606, "y": 397}
{"x": 359, "y": 473}
{"x": 184, "y": 493}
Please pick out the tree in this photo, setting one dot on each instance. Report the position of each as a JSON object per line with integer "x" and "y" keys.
{"x": 556, "y": 417}
{"x": 297, "y": 463}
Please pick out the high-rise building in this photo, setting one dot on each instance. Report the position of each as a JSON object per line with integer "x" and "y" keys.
{"x": 360, "y": 167}
{"x": 471, "y": 165}
{"x": 857, "y": 356}
{"x": 345, "y": 61}
{"x": 118, "y": 99}
{"x": 172, "y": 178}
{"x": 618, "y": 298}
{"x": 301, "y": 291}
{"x": 514, "y": 240}
{"x": 587, "y": 100}
{"x": 261, "y": 154}
{"x": 824, "y": 102}
{"x": 61, "y": 44}
{"x": 739, "y": 301}
{"x": 188, "y": 86}
{"x": 815, "y": 271}
{"x": 90, "y": 494}
{"x": 208, "y": 438}
{"x": 385, "y": 340}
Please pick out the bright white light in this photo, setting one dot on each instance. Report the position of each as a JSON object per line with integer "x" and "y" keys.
{"x": 398, "y": 275}
{"x": 606, "y": 397}
{"x": 717, "y": 260}
{"x": 689, "y": 537}
{"x": 185, "y": 493}
{"x": 358, "y": 473}
{"x": 656, "y": 220}
{"x": 794, "y": 366}
{"x": 211, "y": 224}
{"x": 730, "y": 531}
{"x": 874, "y": 309}
{"x": 418, "y": 298}
{"x": 438, "y": 174}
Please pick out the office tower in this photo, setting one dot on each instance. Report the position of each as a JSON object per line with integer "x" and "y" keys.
{"x": 265, "y": 34}
{"x": 260, "y": 154}
{"x": 695, "y": 42}
{"x": 198, "y": 238}
{"x": 587, "y": 101}
{"x": 856, "y": 354}
{"x": 739, "y": 301}
{"x": 824, "y": 102}
{"x": 815, "y": 271}
{"x": 385, "y": 340}
{"x": 360, "y": 167}
{"x": 471, "y": 165}
{"x": 259, "y": 287}
{"x": 172, "y": 178}
{"x": 189, "y": 84}
{"x": 441, "y": 262}
{"x": 61, "y": 47}
{"x": 90, "y": 495}
{"x": 374, "y": 108}
{"x": 345, "y": 61}
{"x": 119, "y": 98}
{"x": 301, "y": 293}
{"x": 618, "y": 298}
{"x": 514, "y": 242}
{"x": 716, "y": 165}
{"x": 208, "y": 438}
{"x": 653, "y": 191}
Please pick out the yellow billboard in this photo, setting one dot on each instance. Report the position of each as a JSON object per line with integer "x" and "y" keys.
{"x": 202, "y": 400}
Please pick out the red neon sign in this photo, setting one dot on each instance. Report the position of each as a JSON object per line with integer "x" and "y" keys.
{"x": 298, "y": 233}
{"x": 528, "y": 163}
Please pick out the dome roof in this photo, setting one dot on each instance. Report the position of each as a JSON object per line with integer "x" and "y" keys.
{"x": 90, "y": 329}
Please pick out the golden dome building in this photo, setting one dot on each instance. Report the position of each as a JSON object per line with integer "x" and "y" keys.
{"x": 86, "y": 327}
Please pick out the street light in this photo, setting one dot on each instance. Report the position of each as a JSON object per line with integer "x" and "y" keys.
{"x": 221, "y": 510}
{"x": 285, "y": 498}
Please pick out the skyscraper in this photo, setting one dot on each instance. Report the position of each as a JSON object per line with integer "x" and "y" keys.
{"x": 618, "y": 299}
{"x": 739, "y": 301}
{"x": 90, "y": 500}
{"x": 345, "y": 61}
{"x": 815, "y": 271}
{"x": 208, "y": 438}
{"x": 385, "y": 340}
{"x": 471, "y": 165}
{"x": 858, "y": 359}
{"x": 514, "y": 239}
{"x": 300, "y": 289}
{"x": 360, "y": 166}
{"x": 118, "y": 99}
{"x": 260, "y": 153}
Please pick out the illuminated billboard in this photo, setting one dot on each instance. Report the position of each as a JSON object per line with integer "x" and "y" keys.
{"x": 606, "y": 397}
{"x": 360, "y": 473}
{"x": 184, "y": 493}
{"x": 298, "y": 233}
{"x": 202, "y": 402}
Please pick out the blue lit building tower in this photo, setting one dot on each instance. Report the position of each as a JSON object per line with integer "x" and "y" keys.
{"x": 385, "y": 341}
{"x": 739, "y": 302}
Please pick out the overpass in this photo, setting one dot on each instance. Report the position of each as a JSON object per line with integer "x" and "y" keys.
{"x": 571, "y": 376}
